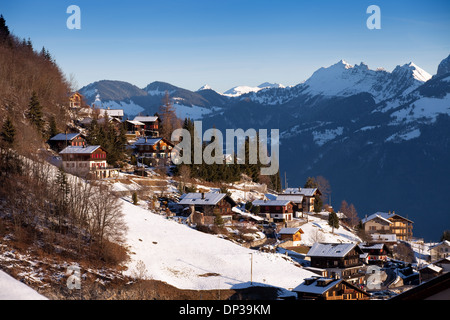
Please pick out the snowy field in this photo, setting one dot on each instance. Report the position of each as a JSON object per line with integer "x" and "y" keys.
{"x": 318, "y": 230}
{"x": 189, "y": 259}
{"x": 12, "y": 289}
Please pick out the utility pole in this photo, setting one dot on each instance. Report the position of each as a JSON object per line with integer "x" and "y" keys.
{"x": 251, "y": 269}
{"x": 285, "y": 181}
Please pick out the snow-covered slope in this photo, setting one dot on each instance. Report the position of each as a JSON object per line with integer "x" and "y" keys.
{"x": 189, "y": 259}
{"x": 241, "y": 90}
{"x": 12, "y": 289}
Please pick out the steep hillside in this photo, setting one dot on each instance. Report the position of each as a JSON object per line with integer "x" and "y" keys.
{"x": 24, "y": 72}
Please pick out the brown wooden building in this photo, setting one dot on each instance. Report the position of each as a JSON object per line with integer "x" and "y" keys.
{"x": 302, "y": 198}
{"x": 87, "y": 162}
{"x": 277, "y": 210}
{"x": 62, "y": 140}
{"x": 322, "y": 288}
{"x": 377, "y": 252}
{"x": 341, "y": 260}
{"x": 76, "y": 100}
{"x": 157, "y": 149}
{"x": 151, "y": 125}
{"x": 209, "y": 204}
{"x": 382, "y": 222}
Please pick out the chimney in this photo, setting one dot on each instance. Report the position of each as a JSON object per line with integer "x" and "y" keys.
{"x": 145, "y": 139}
{"x": 203, "y": 195}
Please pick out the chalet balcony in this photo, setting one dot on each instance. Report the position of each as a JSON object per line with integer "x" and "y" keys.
{"x": 104, "y": 172}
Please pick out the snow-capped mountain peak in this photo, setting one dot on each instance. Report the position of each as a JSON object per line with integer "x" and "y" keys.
{"x": 265, "y": 85}
{"x": 205, "y": 87}
{"x": 417, "y": 72}
{"x": 240, "y": 90}
{"x": 444, "y": 67}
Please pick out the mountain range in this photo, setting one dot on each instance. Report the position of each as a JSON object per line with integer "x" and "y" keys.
{"x": 381, "y": 138}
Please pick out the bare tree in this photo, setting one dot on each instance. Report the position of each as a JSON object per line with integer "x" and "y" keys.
{"x": 106, "y": 219}
{"x": 169, "y": 119}
{"x": 324, "y": 186}
{"x": 316, "y": 236}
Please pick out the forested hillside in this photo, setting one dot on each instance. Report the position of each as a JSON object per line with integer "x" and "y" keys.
{"x": 33, "y": 93}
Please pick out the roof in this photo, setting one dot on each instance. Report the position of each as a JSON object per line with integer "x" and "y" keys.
{"x": 308, "y": 192}
{"x": 432, "y": 267}
{"x": 383, "y": 215}
{"x": 145, "y": 118}
{"x": 270, "y": 202}
{"x": 112, "y": 112}
{"x": 147, "y": 141}
{"x": 430, "y": 289}
{"x": 64, "y": 136}
{"x": 330, "y": 249}
{"x": 136, "y": 123}
{"x": 442, "y": 243}
{"x": 317, "y": 285}
{"x": 79, "y": 149}
{"x": 376, "y": 246}
{"x": 208, "y": 198}
{"x": 290, "y": 230}
{"x": 296, "y": 198}
{"x": 388, "y": 237}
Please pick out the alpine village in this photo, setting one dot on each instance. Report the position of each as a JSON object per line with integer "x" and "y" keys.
{"x": 83, "y": 185}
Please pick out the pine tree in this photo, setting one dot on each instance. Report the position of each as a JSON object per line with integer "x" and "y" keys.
{"x": 333, "y": 220}
{"x": 52, "y": 130}
{"x": 35, "y": 114}
{"x": 62, "y": 197}
{"x": 8, "y": 132}
{"x": 4, "y": 30}
{"x": 446, "y": 235}
{"x": 218, "y": 220}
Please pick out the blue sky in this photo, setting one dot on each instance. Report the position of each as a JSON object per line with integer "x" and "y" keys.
{"x": 229, "y": 43}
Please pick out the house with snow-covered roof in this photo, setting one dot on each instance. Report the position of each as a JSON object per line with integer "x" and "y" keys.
{"x": 209, "y": 204}
{"x": 62, "y": 140}
{"x": 293, "y": 235}
{"x": 87, "y": 161}
{"x": 302, "y": 198}
{"x": 156, "y": 149}
{"x": 440, "y": 250}
{"x": 151, "y": 125}
{"x": 377, "y": 253}
{"x": 277, "y": 210}
{"x": 323, "y": 288}
{"x": 341, "y": 260}
{"x": 387, "y": 222}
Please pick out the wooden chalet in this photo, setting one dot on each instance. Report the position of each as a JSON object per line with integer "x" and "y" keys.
{"x": 277, "y": 210}
{"x": 382, "y": 222}
{"x": 156, "y": 149}
{"x": 302, "y": 198}
{"x": 86, "y": 161}
{"x": 135, "y": 129}
{"x": 435, "y": 289}
{"x": 323, "y": 288}
{"x": 376, "y": 253}
{"x": 151, "y": 125}
{"x": 62, "y": 140}
{"x": 341, "y": 260}
{"x": 293, "y": 235}
{"x": 440, "y": 250}
{"x": 76, "y": 100}
{"x": 429, "y": 272}
{"x": 209, "y": 204}
{"x": 111, "y": 114}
